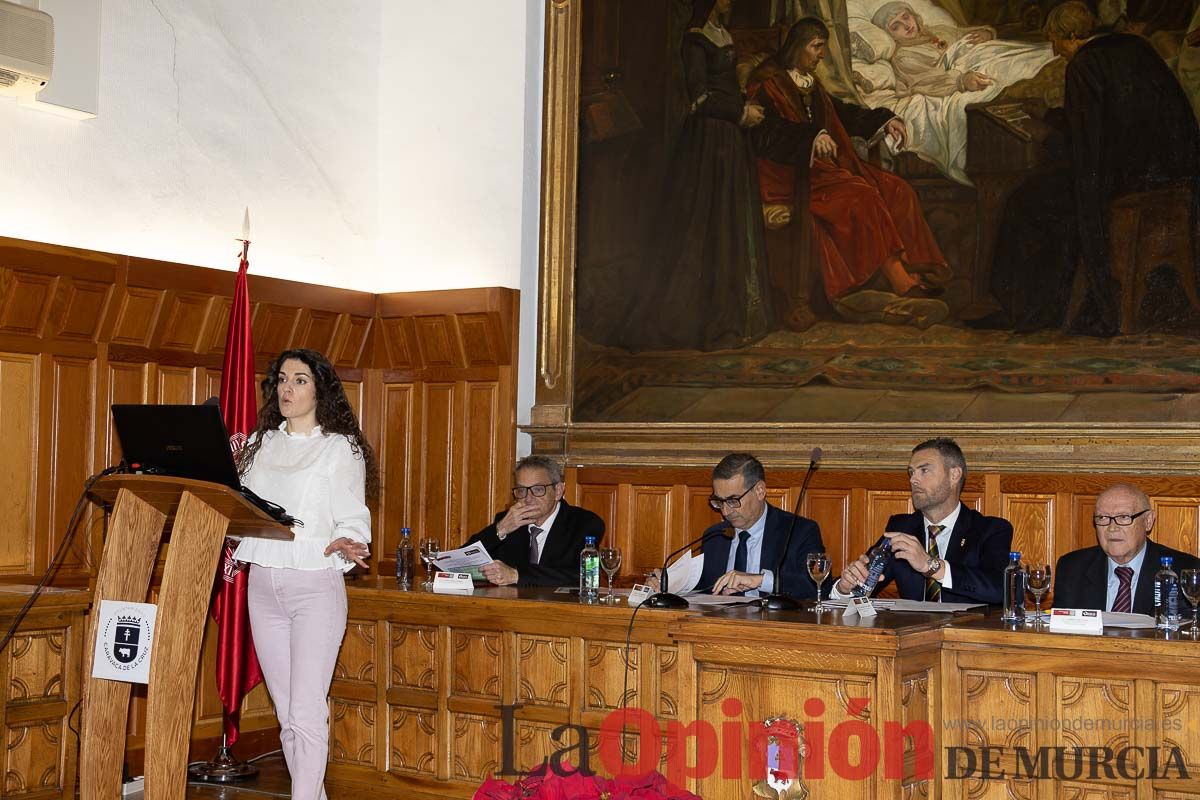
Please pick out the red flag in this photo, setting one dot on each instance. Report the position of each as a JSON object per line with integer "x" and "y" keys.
{"x": 237, "y": 664}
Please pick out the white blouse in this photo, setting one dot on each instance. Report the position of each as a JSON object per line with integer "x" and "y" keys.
{"x": 318, "y": 479}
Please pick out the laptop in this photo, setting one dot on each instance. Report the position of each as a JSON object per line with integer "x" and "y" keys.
{"x": 184, "y": 441}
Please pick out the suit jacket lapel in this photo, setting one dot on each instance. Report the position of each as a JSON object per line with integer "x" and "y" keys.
{"x": 772, "y": 543}
{"x": 959, "y": 535}
{"x": 556, "y": 539}
{"x": 1095, "y": 591}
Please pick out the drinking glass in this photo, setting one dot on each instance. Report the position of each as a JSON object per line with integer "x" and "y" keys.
{"x": 610, "y": 561}
{"x": 1038, "y": 583}
{"x": 818, "y": 569}
{"x": 1189, "y": 584}
{"x": 430, "y": 550}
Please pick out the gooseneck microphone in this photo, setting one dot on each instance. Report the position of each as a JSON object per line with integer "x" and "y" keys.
{"x": 779, "y": 600}
{"x": 663, "y": 598}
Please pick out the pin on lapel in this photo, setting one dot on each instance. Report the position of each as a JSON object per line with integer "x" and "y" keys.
{"x": 962, "y": 542}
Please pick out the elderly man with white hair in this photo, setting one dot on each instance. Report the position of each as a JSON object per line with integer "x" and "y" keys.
{"x": 1118, "y": 573}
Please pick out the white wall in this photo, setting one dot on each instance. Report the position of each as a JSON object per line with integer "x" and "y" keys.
{"x": 381, "y": 145}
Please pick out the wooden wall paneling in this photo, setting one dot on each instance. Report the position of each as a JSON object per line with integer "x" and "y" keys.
{"x": 25, "y": 299}
{"x": 1176, "y": 523}
{"x": 84, "y": 304}
{"x": 273, "y": 327}
{"x": 481, "y": 468}
{"x": 72, "y": 383}
{"x": 437, "y": 428}
{"x": 437, "y": 341}
{"x": 175, "y": 385}
{"x": 186, "y": 319}
{"x": 397, "y": 505}
{"x": 137, "y": 315}
{"x": 651, "y": 519}
{"x": 1084, "y": 530}
{"x": 830, "y": 509}
{"x": 698, "y": 515}
{"x": 316, "y": 330}
{"x": 350, "y": 340}
{"x": 18, "y": 454}
{"x": 1032, "y": 517}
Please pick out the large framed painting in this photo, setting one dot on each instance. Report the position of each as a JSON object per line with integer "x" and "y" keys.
{"x": 779, "y": 223}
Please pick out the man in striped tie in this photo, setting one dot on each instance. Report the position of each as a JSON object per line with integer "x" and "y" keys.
{"x": 1118, "y": 573}
{"x": 944, "y": 551}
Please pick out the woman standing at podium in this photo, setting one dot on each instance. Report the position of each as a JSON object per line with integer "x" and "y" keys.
{"x": 309, "y": 455}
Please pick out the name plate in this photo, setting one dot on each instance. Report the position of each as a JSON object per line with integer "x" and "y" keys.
{"x": 860, "y": 606}
{"x": 453, "y": 583}
{"x": 1076, "y": 620}
{"x": 639, "y": 594}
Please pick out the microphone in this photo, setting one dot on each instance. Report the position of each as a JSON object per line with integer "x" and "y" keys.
{"x": 663, "y": 598}
{"x": 779, "y": 600}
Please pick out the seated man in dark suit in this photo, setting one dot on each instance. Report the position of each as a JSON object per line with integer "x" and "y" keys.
{"x": 746, "y": 559}
{"x": 537, "y": 541}
{"x": 944, "y": 551}
{"x": 1118, "y": 573}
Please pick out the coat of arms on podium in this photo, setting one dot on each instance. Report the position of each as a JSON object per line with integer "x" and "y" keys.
{"x": 784, "y": 759}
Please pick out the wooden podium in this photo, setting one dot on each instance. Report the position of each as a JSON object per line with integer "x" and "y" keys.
{"x": 199, "y": 516}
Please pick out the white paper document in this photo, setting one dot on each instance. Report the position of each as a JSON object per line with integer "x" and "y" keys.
{"x": 462, "y": 559}
{"x": 697, "y": 599}
{"x": 1117, "y": 619}
{"x": 896, "y": 604}
{"x": 684, "y": 575}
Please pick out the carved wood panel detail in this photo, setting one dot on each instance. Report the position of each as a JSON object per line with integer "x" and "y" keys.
{"x": 997, "y": 708}
{"x": 914, "y": 703}
{"x": 352, "y": 732}
{"x": 1032, "y": 518}
{"x": 475, "y": 664}
{"x": 413, "y": 740}
{"x": 542, "y": 670}
{"x": 414, "y": 656}
{"x": 1095, "y": 713}
{"x": 1011, "y": 789}
{"x": 1090, "y": 791}
{"x": 1177, "y": 707}
{"x": 31, "y": 758}
{"x": 36, "y": 667}
{"x": 356, "y": 660}
{"x": 669, "y": 673}
{"x": 477, "y": 747}
{"x": 607, "y": 676}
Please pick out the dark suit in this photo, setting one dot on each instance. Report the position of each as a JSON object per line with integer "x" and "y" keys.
{"x": 977, "y": 555}
{"x": 806, "y": 538}
{"x": 559, "y": 561}
{"x": 1081, "y": 577}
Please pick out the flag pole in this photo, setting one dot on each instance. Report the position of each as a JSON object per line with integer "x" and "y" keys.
{"x": 224, "y": 767}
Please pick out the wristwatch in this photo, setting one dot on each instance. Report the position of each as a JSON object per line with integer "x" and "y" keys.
{"x": 935, "y": 564}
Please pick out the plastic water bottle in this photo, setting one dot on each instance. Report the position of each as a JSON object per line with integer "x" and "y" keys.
{"x": 589, "y": 571}
{"x": 1014, "y": 590}
{"x": 1167, "y": 613}
{"x": 878, "y": 560}
{"x": 404, "y": 559}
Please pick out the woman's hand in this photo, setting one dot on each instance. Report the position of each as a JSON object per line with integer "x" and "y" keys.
{"x": 349, "y": 550}
{"x": 980, "y": 35}
{"x": 975, "y": 81}
{"x": 752, "y": 114}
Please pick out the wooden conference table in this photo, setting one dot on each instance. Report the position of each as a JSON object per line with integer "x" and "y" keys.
{"x": 434, "y": 693}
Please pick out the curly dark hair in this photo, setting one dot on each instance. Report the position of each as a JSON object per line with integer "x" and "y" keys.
{"x": 334, "y": 413}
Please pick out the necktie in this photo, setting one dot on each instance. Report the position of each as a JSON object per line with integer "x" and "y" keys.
{"x": 743, "y": 549}
{"x": 933, "y": 589}
{"x": 1124, "y": 601}
{"x": 534, "y": 533}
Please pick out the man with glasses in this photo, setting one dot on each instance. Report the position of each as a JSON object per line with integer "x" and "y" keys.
{"x": 944, "y": 551}
{"x": 745, "y": 559}
{"x": 537, "y": 541}
{"x": 1118, "y": 573}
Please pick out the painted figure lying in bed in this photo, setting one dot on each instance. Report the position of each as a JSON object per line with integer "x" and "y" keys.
{"x": 928, "y": 74}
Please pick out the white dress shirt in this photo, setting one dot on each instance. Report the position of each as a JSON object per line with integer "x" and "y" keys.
{"x": 1114, "y": 583}
{"x": 753, "y": 555}
{"x": 544, "y": 526}
{"x": 319, "y": 480}
{"x": 943, "y": 543}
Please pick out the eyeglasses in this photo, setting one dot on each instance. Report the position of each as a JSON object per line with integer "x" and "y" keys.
{"x": 537, "y": 490}
{"x": 732, "y": 501}
{"x": 1124, "y": 520}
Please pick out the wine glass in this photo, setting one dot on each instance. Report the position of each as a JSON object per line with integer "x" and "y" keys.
{"x": 1189, "y": 584}
{"x": 430, "y": 550}
{"x": 610, "y": 560}
{"x": 1038, "y": 583}
{"x": 818, "y": 569}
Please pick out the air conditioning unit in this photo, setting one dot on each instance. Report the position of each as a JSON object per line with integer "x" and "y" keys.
{"x": 26, "y": 50}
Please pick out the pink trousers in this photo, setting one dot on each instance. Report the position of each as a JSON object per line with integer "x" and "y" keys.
{"x": 298, "y": 618}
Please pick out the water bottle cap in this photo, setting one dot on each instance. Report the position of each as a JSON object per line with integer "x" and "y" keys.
{"x": 589, "y": 540}
{"x": 887, "y": 544}
{"x": 1014, "y": 556}
{"x": 1166, "y": 561}
{"x": 406, "y": 530}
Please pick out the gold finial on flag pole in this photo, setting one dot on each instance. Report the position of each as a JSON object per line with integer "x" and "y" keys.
{"x": 245, "y": 240}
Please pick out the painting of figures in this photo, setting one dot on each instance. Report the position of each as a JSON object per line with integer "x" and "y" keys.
{"x": 880, "y": 210}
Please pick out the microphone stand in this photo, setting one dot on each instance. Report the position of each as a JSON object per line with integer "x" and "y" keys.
{"x": 779, "y": 600}
{"x": 663, "y": 598}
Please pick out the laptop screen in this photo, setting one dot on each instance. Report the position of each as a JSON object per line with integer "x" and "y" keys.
{"x": 177, "y": 440}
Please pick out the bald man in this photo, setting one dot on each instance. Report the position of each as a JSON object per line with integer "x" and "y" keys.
{"x": 1118, "y": 573}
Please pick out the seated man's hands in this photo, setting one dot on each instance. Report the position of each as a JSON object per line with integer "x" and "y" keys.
{"x": 896, "y": 128}
{"x": 499, "y": 573}
{"x": 824, "y": 147}
{"x": 519, "y": 514}
{"x": 975, "y": 81}
{"x": 752, "y": 114}
{"x": 733, "y": 582}
{"x": 855, "y": 574}
{"x": 652, "y": 580}
{"x": 909, "y": 548}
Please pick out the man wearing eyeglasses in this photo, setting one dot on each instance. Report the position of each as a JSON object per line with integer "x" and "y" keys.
{"x": 1118, "y": 573}
{"x": 745, "y": 560}
{"x": 537, "y": 541}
